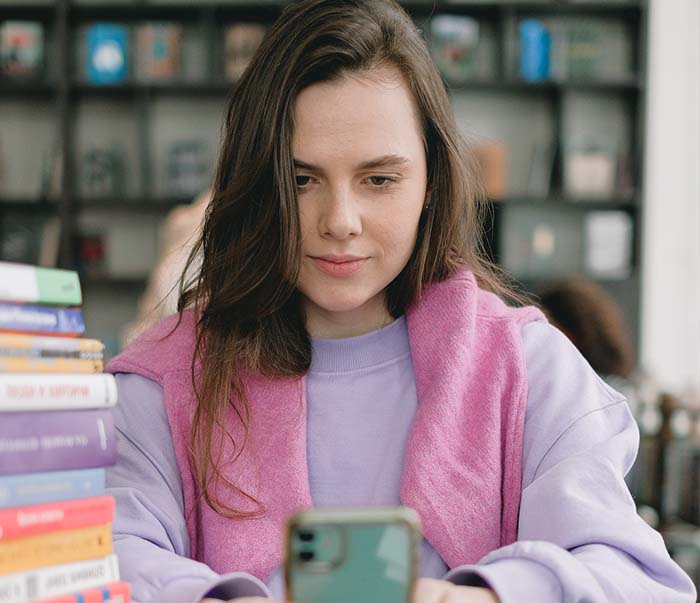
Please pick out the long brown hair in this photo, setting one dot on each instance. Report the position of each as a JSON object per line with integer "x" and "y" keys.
{"x": 249, "y": 316}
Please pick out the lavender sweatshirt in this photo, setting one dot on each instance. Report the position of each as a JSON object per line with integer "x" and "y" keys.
{"x": 579, "y": 537}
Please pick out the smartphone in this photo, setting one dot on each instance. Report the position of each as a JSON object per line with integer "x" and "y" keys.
{"x": 352, "y": 555}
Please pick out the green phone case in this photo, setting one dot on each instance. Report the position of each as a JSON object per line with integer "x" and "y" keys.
{"x": 352, "y": 555}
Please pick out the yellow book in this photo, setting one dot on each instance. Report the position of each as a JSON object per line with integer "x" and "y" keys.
{"x": 27, "y": 364}
{"x": 55, "y": 548}
{"x": 16, "y": 344}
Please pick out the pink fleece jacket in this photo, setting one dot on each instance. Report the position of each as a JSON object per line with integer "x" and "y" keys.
{"x": 462, "y": 469}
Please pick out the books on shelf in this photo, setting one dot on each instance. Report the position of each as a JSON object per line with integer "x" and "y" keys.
{"x": 187, "y": 167}
{"x": 541, "y": 244}
{"x": 103, "y": 170}
{"x": 107, "y": 45}
{"x": 241, "y": 40}
{"x": 21, "y": 49}
{"x": 57, "y": 436}
{"x": 158, "y": 51}
{"x": 454, "y": 45}
{"x": 535, "y": 46}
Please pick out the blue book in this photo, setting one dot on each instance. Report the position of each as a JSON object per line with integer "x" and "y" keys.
{"x": 52, "y": 486}
{"x": 106, "y": 53}
{"x": 41, "y": 320}
{"x": 535, "y": 46}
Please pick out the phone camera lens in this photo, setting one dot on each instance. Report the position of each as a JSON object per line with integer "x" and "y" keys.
{"x": 306, "y": 555}
{"x": 306, "y": 536}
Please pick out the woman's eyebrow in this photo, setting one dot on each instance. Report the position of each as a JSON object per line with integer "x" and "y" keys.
{"x": 378, "y": 162}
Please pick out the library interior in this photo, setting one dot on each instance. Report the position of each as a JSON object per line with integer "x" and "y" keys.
{"x": 154, "y": 152}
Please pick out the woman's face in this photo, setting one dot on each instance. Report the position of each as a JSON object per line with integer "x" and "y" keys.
{"x": 361, "y": 178}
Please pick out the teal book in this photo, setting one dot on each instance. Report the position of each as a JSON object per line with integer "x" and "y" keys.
{"x": 24, "y": 283}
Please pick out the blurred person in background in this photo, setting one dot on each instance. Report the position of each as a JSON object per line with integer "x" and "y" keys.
{"x": 179, "y": 233}
{"x": 595, "y": 324}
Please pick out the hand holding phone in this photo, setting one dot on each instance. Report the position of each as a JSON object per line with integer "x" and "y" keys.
{"x": 348, "y": 555}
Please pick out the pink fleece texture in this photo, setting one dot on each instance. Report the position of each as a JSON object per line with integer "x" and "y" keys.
{"x": 463, "y": 463}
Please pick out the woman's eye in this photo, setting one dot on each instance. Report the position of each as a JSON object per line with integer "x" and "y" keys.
{"x": 381, "y": 181}
{"x": 303, "y": 181}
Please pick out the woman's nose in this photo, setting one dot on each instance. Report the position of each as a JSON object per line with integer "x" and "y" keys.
{"x": 341, "y": 217}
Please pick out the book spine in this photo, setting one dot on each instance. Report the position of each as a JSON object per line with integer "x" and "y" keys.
{"x": 55, "y": 548}
{"x": 52, "y": 441}
{"x": 117, "y": 592}
{"x": 27, "y": 364}
{"x": 25, "y": 392}
{"x": 35, "y": 520}
{"x": 36, "y": 319}
{"x": 58, "y": 580}
{"x": 30, "y": 284}
{"x": 12, "y": 344}
{"x": 52, "y": 486}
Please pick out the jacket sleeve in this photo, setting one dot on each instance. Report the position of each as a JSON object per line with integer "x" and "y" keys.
{"x": 150, "y": 534}
{"x": 579, "y": 538}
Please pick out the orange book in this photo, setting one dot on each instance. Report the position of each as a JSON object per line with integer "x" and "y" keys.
{"x": 27, "y": 364}
{"x": 55, "y": 548}
{"x": 117, "y": 592}
{"x": 15, "y": 344}
{"x": 33, "y": 520}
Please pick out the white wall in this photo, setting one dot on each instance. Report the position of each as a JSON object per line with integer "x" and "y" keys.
{"x": 670, "y": 337}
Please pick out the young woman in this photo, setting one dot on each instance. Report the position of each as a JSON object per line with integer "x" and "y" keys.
{"x": 346, "y": 343}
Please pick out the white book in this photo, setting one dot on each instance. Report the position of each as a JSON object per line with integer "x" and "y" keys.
{"x": 56, "y": 580}
{"x": 37, "y": 391}
{"x": 26, "y": 283}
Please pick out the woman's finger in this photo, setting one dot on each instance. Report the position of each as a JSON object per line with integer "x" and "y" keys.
{"x": 430, "y": 591}
{"x": 470, "y": 594}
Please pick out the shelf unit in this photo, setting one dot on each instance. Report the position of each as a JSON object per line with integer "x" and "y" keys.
{"x": 64, "y": 91}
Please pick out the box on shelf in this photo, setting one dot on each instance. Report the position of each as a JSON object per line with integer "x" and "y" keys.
{"x": 454, "y": 45}
{"x": 492, "y": 158}
{"x": 107, "y": 46}
{"x": 21, "y": 49}
{"x": 590, "y": 173}
{"x": 608, "y": 248}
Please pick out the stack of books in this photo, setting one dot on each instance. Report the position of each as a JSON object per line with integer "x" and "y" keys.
{"x": 56, "y": 437}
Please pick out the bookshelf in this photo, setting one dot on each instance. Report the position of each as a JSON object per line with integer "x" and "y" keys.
{"x": 63, "y": 115}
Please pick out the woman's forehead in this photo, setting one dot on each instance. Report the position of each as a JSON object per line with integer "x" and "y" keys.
{"x": 375, "y": 112}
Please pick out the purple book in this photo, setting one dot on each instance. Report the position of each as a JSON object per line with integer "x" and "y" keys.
{"x": 56, "y": 441}
{"x": 41, "y": 320}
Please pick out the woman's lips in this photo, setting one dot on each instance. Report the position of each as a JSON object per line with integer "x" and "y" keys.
{"x": 339, "y": 267}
